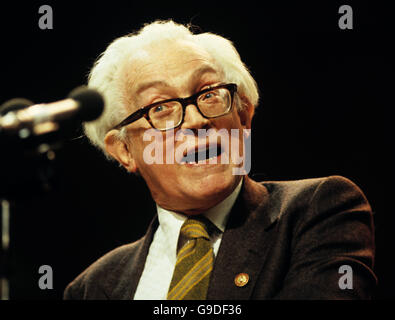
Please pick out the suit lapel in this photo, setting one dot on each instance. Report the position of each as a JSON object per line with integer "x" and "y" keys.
{"x": 141, "y": 256}
{"x": 243, "y": 246}
{"x": 125, "y": 276}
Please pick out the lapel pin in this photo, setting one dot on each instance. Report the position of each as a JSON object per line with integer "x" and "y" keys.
{"x": 241, "y": 279}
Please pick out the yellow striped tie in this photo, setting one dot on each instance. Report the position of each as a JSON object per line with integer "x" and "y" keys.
{"x": 194, "y": 263}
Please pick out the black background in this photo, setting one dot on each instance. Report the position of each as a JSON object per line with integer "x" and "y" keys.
{"x": 326, "y": 108}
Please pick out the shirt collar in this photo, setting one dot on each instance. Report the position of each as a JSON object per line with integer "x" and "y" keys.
{"x": 219, "y": 214}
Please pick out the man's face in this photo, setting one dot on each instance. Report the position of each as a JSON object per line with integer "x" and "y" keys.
{"x": 171, "y": 70}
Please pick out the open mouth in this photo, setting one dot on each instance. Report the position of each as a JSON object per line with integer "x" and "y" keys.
{"x": 202, "y": 155}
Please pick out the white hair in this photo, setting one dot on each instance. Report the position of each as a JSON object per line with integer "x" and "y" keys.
{"x": 107, "y": 77}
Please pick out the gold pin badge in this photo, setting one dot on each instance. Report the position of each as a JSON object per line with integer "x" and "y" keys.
{"x": 241, "y": 279}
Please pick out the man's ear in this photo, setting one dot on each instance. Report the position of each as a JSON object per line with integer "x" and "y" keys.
{"x": 246, "y": 112}
{"x": 119, "y": 150}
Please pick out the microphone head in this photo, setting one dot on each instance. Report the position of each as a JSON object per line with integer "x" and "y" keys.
{"x": 91, "y": 103}
{"x": 14, "y": 105}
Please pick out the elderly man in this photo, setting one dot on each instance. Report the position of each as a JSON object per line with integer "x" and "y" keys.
{"x": 217, "y": 234}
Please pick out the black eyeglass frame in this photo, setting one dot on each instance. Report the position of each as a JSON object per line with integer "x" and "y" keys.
{"x": 143, "y": 112}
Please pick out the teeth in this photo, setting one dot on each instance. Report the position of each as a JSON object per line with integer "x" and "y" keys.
{"x": 201, "y": 156}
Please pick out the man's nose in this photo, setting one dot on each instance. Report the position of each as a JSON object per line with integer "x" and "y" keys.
{"x": 193, "y": 119}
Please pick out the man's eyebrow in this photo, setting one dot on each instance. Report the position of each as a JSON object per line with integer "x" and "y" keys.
{"x": 143, "y": 86}
{"x": 195, "y": 75}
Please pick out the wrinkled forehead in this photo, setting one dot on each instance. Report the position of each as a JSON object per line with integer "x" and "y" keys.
{"x": 177, "y": 63}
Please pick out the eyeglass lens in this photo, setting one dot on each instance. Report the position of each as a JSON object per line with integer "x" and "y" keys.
{"x": 211, "y": 104}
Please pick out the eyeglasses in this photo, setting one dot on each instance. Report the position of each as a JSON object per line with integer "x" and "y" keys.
{"x": 168, "y": 114}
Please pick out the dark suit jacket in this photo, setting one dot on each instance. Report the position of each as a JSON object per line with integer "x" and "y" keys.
{"x": 290, "y": 237}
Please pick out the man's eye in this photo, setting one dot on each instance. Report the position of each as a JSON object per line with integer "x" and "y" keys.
{"x": 159, "y": 108}
{"x": 208, "y": 95}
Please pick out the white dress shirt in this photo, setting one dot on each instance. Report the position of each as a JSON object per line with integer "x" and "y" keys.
{"x": 162, "y": 255}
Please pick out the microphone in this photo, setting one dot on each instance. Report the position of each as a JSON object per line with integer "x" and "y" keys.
{"x": 82, "y": 105}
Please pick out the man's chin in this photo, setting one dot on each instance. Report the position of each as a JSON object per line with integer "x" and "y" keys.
{"x": 212, "y": 187}
{"x": 195, "y": 189}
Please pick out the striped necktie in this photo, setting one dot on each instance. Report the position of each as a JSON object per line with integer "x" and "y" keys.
{"x": 194, "y": 263}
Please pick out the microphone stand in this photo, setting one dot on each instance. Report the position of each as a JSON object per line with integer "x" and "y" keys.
{"x": 5, "y": 240}
{"x": 29, "y": 159}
